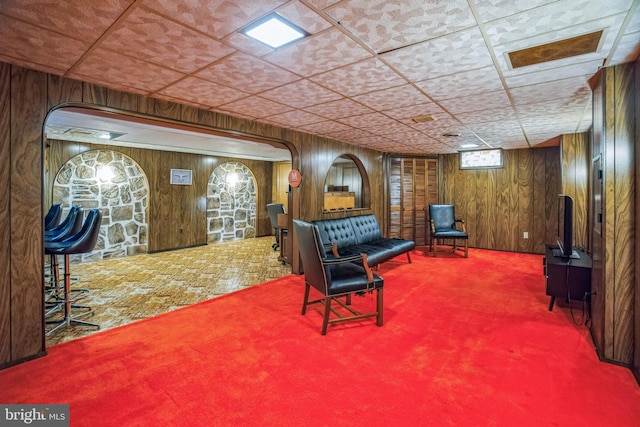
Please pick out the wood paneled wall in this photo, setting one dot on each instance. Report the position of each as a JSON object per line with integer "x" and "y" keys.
{"x": 499, "y": 205}
{"x": 636, "y": 339}
{"x": 613, "y": 278}
{"x": 177, "y": 214}
{"x": 576, "y": 158}
{"x": 27, "y": 97}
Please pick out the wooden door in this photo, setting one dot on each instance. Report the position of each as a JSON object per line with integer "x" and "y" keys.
{"x": 282, "y": 184}
{"x": 413, "y": 186}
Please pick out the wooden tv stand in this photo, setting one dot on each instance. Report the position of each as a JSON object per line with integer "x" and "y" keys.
{"x": 567, "y": 278}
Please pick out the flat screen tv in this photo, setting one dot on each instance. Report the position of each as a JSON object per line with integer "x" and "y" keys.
{"x": 565, "y": 228}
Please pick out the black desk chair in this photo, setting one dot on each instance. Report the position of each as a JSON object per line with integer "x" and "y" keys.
{"x": 335, "y": 278}
{"x": 274, "y": 209}
{"x": 444, "y": 227}
{"x": 82, "y": 242}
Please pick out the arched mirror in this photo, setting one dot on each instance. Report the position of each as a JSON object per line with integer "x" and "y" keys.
{"x": 346, "y": 185}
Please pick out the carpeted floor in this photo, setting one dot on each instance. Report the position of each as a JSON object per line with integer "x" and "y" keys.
{"x": 465, "y": 342}
{"x": 123, "y": 290}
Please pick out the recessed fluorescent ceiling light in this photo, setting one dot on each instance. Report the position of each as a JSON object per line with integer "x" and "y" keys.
{"x": 274, "y": 31}
{"x": 469, "y": 145}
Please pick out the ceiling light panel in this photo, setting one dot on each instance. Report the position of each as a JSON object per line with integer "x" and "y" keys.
{"x": 274, "y": 31}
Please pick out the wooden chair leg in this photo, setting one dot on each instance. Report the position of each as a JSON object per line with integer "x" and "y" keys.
{"x": 466, "y": 248}
{"x": 409, "y": 257}
{"x": 306, "y": 298}
{"x": 434, "y": 250}
{"x": 327, "y": 310}
{"x": 379, "y": 305}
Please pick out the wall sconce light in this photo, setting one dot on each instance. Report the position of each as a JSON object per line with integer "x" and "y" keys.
{"x": 105, "y": 173}
{"x": 232, "y": 179}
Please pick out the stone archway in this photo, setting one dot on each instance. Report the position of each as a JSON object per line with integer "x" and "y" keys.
{"x": 114, "y": 183}
{"x": 231, "y": 203}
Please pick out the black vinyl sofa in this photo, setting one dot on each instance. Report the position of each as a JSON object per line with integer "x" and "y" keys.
{"x": 361, "y": 234}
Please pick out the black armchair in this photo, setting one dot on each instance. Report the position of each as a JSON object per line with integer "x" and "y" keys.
{"x": 335, "y": 277}
{"x": 444, "y": 225}
{"x": 274, "y": 209}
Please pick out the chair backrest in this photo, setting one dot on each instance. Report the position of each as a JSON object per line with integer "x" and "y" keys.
{"x": 53, "y": 217}
{"x": 311, "y": 254}
{"x": 85, "y": 240}
{"x": 68, "y": 227}
{"x": 274, "y": 209}
{"x": 443, "y": 217}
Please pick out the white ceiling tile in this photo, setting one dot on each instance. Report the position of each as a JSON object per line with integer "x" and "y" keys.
{"x": 453, "y": 53}
{"x": 554, "y": 18}
{"x": 478, "y": 102}
{"x": 384, "y": 25}
{"x": 45, "y": 48}
{"x": 566, "y": 89}
{"x": 488, "y": 115}
{"x": 295, "y": 118}
{"x": 627, "y": 50}
{"x": 203, "y": 92}
{"x": 465, "y": 83}
{"x": 365, "y": 121}
{"x": 559, "y": 73}
{"x": 326, "y": 127}
{"x": 490, "y": 10}
{"x": 300, "y": 15}
{"x": 255, "y": 106}
{"x": 322, "y": 52}
{"x": 246, "y": 73}
{"x": 150, "y": 37}
{"x": 426, "y": 108}
{"x": 112, "y": 68}
{"x": 362, "y": 77}
{"x": 339, "y": 109}
{"x": 395, "y": 97}
{"x": 301, "y": 94}
{"x": 217, "y": 18}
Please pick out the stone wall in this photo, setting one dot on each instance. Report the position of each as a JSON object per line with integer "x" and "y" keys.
{"x": 231, "y": 203}
{"x": 115, "y": 184}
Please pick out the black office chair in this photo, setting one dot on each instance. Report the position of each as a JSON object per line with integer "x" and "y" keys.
{"x": 444, "y": 227}
{"x": 82, "y": 242}
{"x": 53, "y": 217}
{"x": 335, "y": 278}
{"x": 274, "y": 209}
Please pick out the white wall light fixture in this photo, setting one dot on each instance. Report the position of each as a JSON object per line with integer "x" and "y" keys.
{"x": 481, "y": 159}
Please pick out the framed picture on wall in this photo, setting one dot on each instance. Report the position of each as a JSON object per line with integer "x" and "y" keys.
{"x": 181, "y": 176}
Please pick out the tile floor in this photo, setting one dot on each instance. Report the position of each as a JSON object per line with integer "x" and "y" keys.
{"x": 124, "y": 290}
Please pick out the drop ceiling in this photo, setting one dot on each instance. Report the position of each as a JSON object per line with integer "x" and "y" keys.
{"x": 366, "y": 70}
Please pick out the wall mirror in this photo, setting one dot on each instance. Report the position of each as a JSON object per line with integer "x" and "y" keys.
{"x": 346, "y": 185}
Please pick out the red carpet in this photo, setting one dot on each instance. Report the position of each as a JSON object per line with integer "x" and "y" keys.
{"x": 465, "y": 342}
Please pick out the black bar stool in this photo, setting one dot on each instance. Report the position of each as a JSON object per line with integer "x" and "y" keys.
{"x": 53, "y": 217}
{"x": 71, "y": 225}
{"x": 81, "y": 242}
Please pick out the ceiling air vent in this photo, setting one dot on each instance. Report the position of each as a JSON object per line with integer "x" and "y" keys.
{"x": 587, "y": 43}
